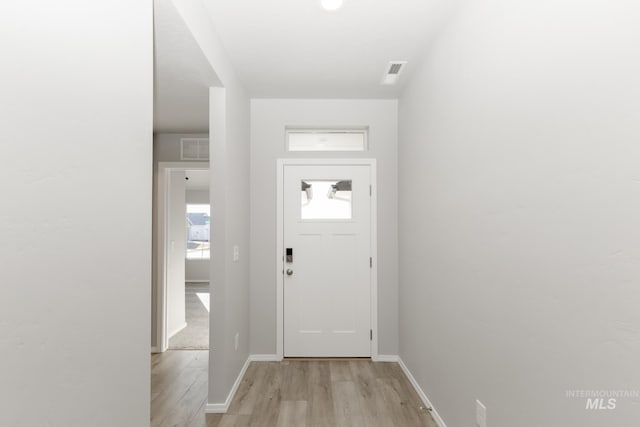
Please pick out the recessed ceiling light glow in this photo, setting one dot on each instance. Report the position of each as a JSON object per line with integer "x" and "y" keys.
{"x": 331, "y": 5}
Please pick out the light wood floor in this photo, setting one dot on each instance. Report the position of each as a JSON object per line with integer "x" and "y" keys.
{"x": 291, "y": 393}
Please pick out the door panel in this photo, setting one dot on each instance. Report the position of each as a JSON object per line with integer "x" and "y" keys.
{"x": 327, "y": 298}
{"x": 176, "y": 253}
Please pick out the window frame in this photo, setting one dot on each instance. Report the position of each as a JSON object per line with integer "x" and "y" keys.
{"x": 357, "y": 130}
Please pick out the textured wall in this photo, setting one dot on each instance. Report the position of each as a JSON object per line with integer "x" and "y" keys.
{"x": 75, "y": 231}
{"x": 519, "y": 207}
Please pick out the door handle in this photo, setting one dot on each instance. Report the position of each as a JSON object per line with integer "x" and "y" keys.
{"x": 289, "y": 272}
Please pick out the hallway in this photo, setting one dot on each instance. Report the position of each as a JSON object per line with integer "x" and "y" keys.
{"x": 290, "y": 393}
{"x": 499, "y": 236}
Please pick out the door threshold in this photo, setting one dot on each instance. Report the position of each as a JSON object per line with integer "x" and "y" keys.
{"x": 326, "y": 359}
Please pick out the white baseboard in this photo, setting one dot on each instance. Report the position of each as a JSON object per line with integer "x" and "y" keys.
{"x": 178, "y": 329}
{"x": 437, "y": 418}
{"x": 386, "y": 358}
{"x": 265, "y": 358}
{"x": 155, "y": 349}
{"x": 216, "y": 408}
{"x": 221, "y": 408}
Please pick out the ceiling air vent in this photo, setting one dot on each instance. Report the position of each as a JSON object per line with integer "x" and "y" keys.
{"x": 194, "y": 148}
{"x": 394, "y": 69}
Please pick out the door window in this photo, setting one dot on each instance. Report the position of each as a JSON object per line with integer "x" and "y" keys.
{"x": 325, "y": 199}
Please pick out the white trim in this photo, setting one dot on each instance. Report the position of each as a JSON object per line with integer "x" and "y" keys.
{"x": 437, "y": 418}
{"x": 279, "y": 262}
{"x": 386, "y": 358}
{"x": 162, "y": 338}
{"x": 196, "y": 281}
{"x": 155, "y": 349}
{"x": 374, "y": 253}
{"x": 280, "y": 164}
{"x": 216, "y": 408}
{"x": 265, "y": 358}
{"x": 221, "y": 408}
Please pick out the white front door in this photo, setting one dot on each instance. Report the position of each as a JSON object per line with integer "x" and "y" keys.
{"x": 327, "y": 270}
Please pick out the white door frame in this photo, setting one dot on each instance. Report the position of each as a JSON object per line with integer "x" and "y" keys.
{"x": 281, "y": 163}
{"x": 162, "y": 208}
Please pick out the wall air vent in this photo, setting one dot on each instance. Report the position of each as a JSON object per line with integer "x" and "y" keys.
{"x": 394, "y": 69}
{"x": 194, "y": 149}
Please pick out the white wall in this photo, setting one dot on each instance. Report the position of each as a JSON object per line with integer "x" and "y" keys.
{"x": 197, "y": 270}
{"x": 519, "y": 209}
{"x": 269, "y": 117}
{"x": 75, "y": 245}
{"x": 176, "y": 252}
{"x": 229, "y": 196}
{"x": 197, "y": 197}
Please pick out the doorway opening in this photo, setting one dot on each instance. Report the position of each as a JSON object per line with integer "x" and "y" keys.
{"x": 184, "y": 256}
{"x": 195, "y": 335}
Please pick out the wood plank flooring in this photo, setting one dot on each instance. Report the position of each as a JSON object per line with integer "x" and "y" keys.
{"x": 296, "y": 393}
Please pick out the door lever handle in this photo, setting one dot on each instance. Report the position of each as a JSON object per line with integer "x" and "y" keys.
{"x": 289, "y": 272}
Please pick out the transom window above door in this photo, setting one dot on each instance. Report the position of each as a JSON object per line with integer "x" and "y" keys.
{"x": 326, "y": 140}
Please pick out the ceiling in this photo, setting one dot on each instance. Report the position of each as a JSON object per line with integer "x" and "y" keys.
{"x": 288, "y": 49}
{"x": 296, "y": 49}
{"x": 183, "y": 75}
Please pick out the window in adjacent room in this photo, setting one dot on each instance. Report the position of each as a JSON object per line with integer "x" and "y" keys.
{"x": 198, "y": 231}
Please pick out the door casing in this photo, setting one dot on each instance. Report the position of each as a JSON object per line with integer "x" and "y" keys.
{"x": 280, "y": 165}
